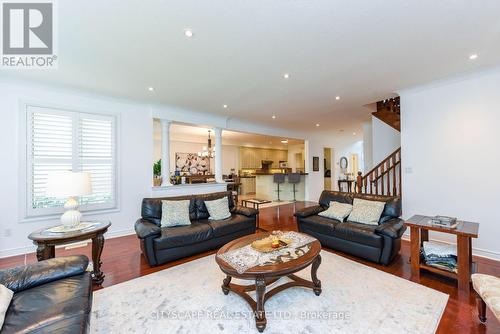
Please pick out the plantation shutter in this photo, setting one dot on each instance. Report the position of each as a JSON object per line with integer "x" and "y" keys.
{"x": 61, "y": 140}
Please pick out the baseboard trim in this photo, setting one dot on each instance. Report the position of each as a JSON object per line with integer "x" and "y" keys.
{"x": 475, "y": 251}
{"x": 32, "y": 248}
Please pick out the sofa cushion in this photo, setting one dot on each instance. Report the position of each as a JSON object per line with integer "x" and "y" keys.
{"x": 201, "y": 208}
{"x": 359, "y": 233}
{"x": 5, "y": 298}
{"x": 366, "y": 212}
{"x": 61, "y": 306}
{"x": 218, "y": 208}
{"x": 336, "y": 210}
{"x": 334, "y": 196}
{"x": 234, "y": 224}
{"x": 319, "y": 224}
{"x": 175, "y": 213}
{"x": 151, "y": 209}
{"x": 182, "y": 235}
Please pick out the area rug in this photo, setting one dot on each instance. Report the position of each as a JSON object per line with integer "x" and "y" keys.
{"x": 188, "y": 299}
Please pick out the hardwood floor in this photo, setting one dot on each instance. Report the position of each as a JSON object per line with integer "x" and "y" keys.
{"x": 122, "y": 261}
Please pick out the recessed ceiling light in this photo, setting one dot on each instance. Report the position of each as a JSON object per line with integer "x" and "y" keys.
{"x": 317, "y": 124}
{"x": 151, "y": 89}
{"x": 354, "y": 133}
{"x": 286, "y": 76}
{"x": 273, "y": 116}
{"x": 188, "y": 33}
{"x": 224, "y": 106}
{"x": 285, "y": 141}
{"x": 337, "y": 98}
{"x": 473, "y": 56}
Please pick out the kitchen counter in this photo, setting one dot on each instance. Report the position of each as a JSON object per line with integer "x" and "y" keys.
{"x": 266, "y": 188}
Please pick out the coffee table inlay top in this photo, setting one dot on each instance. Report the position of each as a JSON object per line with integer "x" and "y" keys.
{"x": 268, "y": 274}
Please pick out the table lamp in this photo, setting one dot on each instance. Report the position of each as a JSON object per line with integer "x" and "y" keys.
{"x": 69, "y": 184}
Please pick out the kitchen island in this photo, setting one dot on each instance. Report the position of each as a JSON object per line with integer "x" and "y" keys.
{"x": 265, "y": 188}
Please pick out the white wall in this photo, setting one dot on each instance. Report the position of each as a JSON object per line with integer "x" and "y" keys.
{"x": 450, "y": 138}
{"x": 385, "y": 140}
{"x": 368, "y": 146}
{"x": 342, "y": 145}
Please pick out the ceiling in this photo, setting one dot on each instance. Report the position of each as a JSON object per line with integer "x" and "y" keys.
{"x": 187, "y": 133}
{"x": 362, "y": 51}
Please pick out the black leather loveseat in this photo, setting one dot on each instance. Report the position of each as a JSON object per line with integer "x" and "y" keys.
{"x": 378, "y": 243}
{"x": 51, "y": 296}
{"x": 163, "y": 244}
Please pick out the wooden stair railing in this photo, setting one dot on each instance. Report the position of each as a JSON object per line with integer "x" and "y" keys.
{"x": 383, "y": 179}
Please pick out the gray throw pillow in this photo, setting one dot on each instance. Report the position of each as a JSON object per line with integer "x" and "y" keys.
{"x": 174, "y": 213}
{"x": 366, "y": 212}
{"x": 337, "y": 210}
{"x": 218, "y": 209}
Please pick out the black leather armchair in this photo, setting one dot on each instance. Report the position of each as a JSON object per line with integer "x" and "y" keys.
{"x": 163, "y": 244}
{"x": 378, "y": 243}
{"x": 51, "y": 296}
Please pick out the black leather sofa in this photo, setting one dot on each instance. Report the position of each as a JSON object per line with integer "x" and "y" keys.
{"x": 163, "y": 244}
{"x": 51, "y": 296}
{"x": 378, "y": 243}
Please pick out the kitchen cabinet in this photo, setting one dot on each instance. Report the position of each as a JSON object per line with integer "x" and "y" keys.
{"x": 251, "y": 157}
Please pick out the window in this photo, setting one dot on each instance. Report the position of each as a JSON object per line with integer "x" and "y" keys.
{"x": 60, "y": 140}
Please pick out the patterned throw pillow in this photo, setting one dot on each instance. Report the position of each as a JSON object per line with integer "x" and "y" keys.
{"x": 337, "y": 210}
{"x": 218, "y": 209}
{"x": 366, "y": 212}
{"x": 5, "y": 298}
{"x": 175, "y": 213}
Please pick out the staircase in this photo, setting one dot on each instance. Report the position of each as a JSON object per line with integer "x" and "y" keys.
{"x": 388, "y": 111}
{"x": 384, "y": 178}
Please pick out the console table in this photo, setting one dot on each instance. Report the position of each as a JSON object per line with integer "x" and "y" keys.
{"x": 465, "y": 231}
{"x": 46, "y": 242}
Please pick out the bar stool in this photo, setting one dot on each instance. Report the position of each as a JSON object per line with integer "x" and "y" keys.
{"x": 278, "y": 179}
{"x": 294, "y": 178}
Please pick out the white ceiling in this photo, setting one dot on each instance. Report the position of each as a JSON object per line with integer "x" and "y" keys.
{"x": 361, "y": 50}
{"x": 192, "y": 134}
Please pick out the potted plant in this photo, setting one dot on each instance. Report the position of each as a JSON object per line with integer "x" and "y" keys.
{"x": 157, "y": 173}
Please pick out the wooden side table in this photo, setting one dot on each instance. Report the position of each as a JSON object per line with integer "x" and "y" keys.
{"x": 255, "y": 204}
{"x": 465, "y": 231}
{"x": 46, "y": 242}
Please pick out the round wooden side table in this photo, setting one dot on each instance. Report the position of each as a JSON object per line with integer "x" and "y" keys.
{"x": 46, "y": 241}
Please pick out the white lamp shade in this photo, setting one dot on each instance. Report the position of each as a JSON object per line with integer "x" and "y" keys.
{"x": 68, "y": 184}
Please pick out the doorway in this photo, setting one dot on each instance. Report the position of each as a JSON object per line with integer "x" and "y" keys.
{"x": 328, "y": 168}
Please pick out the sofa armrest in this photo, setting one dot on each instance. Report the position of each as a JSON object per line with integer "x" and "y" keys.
{"x": 145, "y": 228}
{"x": 242, "y": 210}
{"x": 32, "y": 275}
{"x": 309, "y": 211}
{"x": 393, "y": 228}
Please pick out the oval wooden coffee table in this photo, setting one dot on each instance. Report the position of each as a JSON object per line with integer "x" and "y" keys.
{"x": 268, "y": 274}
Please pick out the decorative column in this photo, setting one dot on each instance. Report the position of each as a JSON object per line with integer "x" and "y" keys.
{"x": 218, "y": 155}
{"x": 165, "y": 152}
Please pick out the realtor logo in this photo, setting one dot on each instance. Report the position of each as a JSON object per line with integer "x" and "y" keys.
{"x": 28, "y": 35}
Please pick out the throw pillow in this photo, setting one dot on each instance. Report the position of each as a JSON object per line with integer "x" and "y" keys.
{"x": 5, "y": 298}
{"x": 174, "y": 213}
{"x": 337, "y": 210}
{"x": 218, "y": 209}
{"x": 366, "y": 212}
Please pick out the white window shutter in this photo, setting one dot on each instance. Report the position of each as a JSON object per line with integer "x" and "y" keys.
{"x": 63, "y": 140}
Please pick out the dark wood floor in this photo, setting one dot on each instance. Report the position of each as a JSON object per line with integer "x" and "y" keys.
{"x": 122, "y": 261}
